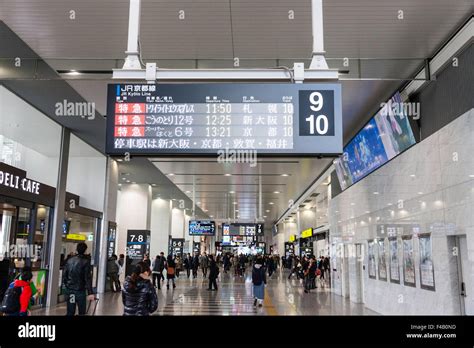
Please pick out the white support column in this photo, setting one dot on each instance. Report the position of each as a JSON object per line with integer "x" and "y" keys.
{"x": 109, "y": 209}
{"x": 318, "y": 61}
{"x": 133, "y": 55}
{"x": 57, "y": 230}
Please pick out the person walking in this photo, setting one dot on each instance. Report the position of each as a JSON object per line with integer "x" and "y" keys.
{"x": 270, "y": 266}
{"x": 213, "y": 273}
{"x": 170, "y": 272}
{"x": 204, "y": 263}
{"x": 235, "y": 263}
{"x": 147, "y": 260}
{"x": 77, "y": 281}
{"x": 4, "y": 276}
{"x": 113, "y": 269}
{"x": 310, "y": 275}
{"x": 321, "y": 267}
{"x": 195, "y": 264}
{"x": 179, "y": 265}
{"x": 138, "y": 295}
{"x": 258, "y": 280}
{"x": 188, "y": 261}
{"x": 157, "y": 268}
{"x": 17, "y": 297}
{"x": 242, "y": 261}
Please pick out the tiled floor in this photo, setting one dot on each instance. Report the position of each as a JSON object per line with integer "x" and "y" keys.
{"x": 234, "y": 297}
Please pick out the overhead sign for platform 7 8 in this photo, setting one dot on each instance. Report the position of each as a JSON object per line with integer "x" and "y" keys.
{"x": 196, "y": 119}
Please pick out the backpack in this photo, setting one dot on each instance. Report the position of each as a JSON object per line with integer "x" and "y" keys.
{"x": 318, "y": 272}
{"x": 11, "y": 300}
{"x": 170, "y": 270}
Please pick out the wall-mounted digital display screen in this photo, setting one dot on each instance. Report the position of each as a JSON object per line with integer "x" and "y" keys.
{"x": 202, "y": 228}
{"x": 386, "y": 135}
{"x": 204, "y": 118}
{"x": 242, "y": 229}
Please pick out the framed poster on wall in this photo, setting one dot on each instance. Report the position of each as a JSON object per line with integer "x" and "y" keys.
{"x": 427, "y": 280}
{"x": 382, "y": 259}
{"x": 394, "y": 262}
{"x": 408, "y": 262}
{"x": 371, "y": 259}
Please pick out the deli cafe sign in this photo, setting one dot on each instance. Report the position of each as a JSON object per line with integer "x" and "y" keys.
{"x": 19, "y": 183}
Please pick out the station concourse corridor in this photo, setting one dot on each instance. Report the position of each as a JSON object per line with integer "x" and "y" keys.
{"x": 326, "y": 142}
{"x": 283, "y": 297}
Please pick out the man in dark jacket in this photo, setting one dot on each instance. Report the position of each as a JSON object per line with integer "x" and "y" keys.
{"x": 77, "y": 280}
{"x": 213, "y": 273}
{"x": 112, "y": 272}
{"x": 309, "y": 274}
{"x": 188, "y": 264}
{"x": 195, "y": 265}
{"x": 157, "y": 268}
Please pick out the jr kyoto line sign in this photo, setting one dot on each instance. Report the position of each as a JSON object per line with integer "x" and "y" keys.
{"x": 287, "y": 119}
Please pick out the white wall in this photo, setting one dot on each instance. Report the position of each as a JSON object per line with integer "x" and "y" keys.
{"x": 86, "y": 178}
{"x": 177, "y": 223}
{"x": 133, "y": 212}
{"x": 429, "y": 189}
{"x": 160, "y": 226}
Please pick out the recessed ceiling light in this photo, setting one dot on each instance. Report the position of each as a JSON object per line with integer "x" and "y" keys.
{"x": 227, "y": 174}
{"x": 267, "y": 211}
{"x": 119, "y": 160}
{"x": 352, "y": 203}
{"x": 389, "y": 204}
{"x": 128, "y": 180}
{"x": 231, "y": 192}
{"x": 124, "y": 178}
{"x": 198, "y": 203}
{"x": 211, "y": 216}
{"x": 171, "y": 174}
{"x": 264, "y": 216}
{"x": 120, "y": 184}
{"x": 367, "y": 211}
{"x": 376, "y": 193}
{"x": 337, "y": 211}
{"x": 284, "y": 175}
{"x": 153, "y": 184}
{"x": 276, "y": 192}
{"x": 235, "y": 203}
{"x": 412, "y": 175}
{"x": 188, "y": 191}
{"x": 471, "y": 175}
{"x": 271, "y": 203}
{"x": 74, "y": 72}
{"x": 420, "y": 193}
{"x": 237, "y": 210}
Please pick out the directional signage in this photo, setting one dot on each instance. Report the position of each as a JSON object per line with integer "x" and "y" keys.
{"x": 288, "y": 119}
{"x": 307, "y": 233}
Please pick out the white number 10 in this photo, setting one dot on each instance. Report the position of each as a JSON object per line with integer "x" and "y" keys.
{"x": 321, "y": 125}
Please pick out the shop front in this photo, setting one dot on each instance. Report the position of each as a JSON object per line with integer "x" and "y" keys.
{"x": 26, "y": 219}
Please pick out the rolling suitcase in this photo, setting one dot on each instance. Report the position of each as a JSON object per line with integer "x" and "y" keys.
{"x": 96, "y": 301}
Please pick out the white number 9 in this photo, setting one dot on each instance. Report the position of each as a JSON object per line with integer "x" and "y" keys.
{"x": 317, "y": 103}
